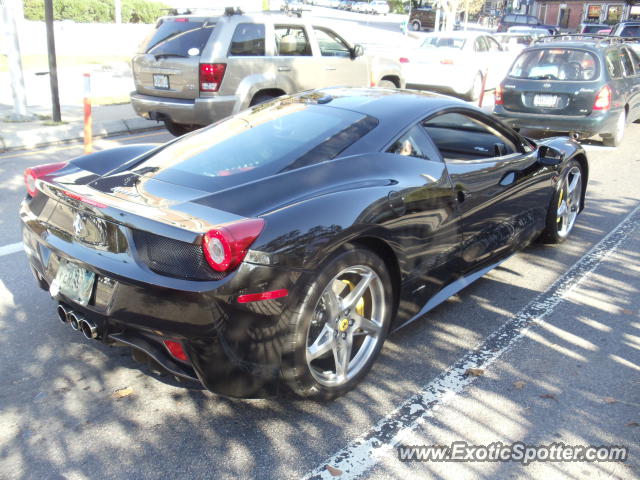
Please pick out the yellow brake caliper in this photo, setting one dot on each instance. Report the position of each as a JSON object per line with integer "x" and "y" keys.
{"x": 560, "y": 203}
{"x": 360, "y": 305}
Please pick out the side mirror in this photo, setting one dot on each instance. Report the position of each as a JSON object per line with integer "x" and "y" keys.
{"x": 357, "y": 51}
{"x": 550, "y": 156}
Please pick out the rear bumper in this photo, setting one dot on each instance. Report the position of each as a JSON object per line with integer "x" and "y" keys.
{"x": 201, "y": 111}
{"x": 438, "y": 77}
{"x": 233, "y": 349}
{"x": 595, "y": 123}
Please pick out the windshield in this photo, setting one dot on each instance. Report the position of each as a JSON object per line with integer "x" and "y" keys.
{"x": 555, "y": 64}
{"x": 176, "y": 36}
{"x": 444, "y": 42}
{"x": 261, "y": 143}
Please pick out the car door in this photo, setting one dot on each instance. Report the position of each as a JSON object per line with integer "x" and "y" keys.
{"x": 502, "y": 195}
{"x": 296, "y": 68}
{"x": 426, "y": 222}
{"x": 498, "y": 64}
{"x": 631, "y": 71}
{"x": 338, "y": 67}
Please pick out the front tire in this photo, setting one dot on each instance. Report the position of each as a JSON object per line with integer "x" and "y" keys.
{"x": 565, "y": 205}
{"x": 337, "y": 330}
{"x": 415, "y": 26}
{"x": 178, "y": 129}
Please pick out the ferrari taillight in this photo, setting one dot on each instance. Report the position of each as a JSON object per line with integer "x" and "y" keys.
{"x": 211, "y": 75}
{"x": 603, "y": 99}
{"x": 34, "y": 173}
{"x": 225, "y": 247}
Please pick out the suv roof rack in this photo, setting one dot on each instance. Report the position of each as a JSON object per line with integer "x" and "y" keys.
{"x": 228, "y": 11}
{"x": 587, "y": 37}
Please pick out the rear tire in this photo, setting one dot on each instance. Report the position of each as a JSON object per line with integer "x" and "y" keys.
{"x": 565, "y": 204}
{"x": 386, "y": 84}
{"x": 333, "y": 339}
{"x": 415, "y": 26}
{"x": 615, "y": 139}
{"x": 261, "y": 98}
{"x": 476, "y": 88}
{"x": 178, "y": 129}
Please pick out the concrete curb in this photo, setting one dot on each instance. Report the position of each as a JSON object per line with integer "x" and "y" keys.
{"x": 43, "y": 136}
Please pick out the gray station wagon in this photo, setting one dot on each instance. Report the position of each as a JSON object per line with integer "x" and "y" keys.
{"x": 193, "y": 70}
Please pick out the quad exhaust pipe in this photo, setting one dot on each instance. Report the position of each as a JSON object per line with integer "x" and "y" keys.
{"x": 77, "y": 322}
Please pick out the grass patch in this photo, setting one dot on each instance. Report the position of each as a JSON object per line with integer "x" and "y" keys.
{"x": 116, "y": 100}
{"x": 51, "y": 123}
{"x": 41, "y": 62}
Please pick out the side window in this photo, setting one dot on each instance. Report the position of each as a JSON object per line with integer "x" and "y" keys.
{"x": 614, "y": 66}
{"x": 292, "y": 41}
{"x": 462, "y": 137}
{"x": 408, "y": 144}
{"x": 492, "y": 44}
{"x": 509, "y": 18}
{"x": 331, "y": 45}
{"x": 627, "y": 64}
{"x": 480, "y": 45}
{"x": 532, "y": 20}
{"x": 248, "y": 40}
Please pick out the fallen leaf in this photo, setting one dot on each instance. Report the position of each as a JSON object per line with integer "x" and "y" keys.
{"x": 609, "y": 400}
{"x": 550, "y": 396}
{"x": 474, "y": 372}
{"x": 333, "y": 471}
{"x": 632, "y": 424}
{"x": 519, "y": 384}
{"x": 626, "y": 311}
{"x": 123, "y": 392}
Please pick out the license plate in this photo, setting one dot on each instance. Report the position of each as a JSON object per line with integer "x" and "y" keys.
{"x": 74, "y": 282}
{"x": 161, "y": 81}
{"x": 545, "y": 101}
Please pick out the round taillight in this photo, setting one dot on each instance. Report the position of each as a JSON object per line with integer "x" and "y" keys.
{"x": 34, "y": 173}
{"x": 225, "y": 247}
{"x": 30, "y": 182}
{"x": 217, "y": 250}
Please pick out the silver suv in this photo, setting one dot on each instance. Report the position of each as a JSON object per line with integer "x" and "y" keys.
{"x": 196, "y": 69}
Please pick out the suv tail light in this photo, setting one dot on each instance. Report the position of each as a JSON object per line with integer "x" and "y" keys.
{"x": 211, "y": 76}
{"x": 225, "y": 247}
{"x": 497, "y": 97}
{"x": 603, "y": 99}
{"x": 34, "y": 173}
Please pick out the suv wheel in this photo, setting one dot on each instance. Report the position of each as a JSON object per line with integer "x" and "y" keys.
{"x": 178, "y": 129}
{"x": 261, "y": 98}
{"x": 615, "y": 139}
{"x": 386, "y": 84}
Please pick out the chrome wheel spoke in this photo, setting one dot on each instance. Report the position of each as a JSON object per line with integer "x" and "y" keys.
{"x": 572, "y": 186}
{"x": 332, "y": 303}
{"x": 368, "y": 327}
{"x": 356, "y": 294}
{"x": 322, "y": 345}
{"x": 342, "y": 355}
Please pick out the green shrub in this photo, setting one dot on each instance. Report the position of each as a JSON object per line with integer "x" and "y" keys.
{"x": 99, "y": 11}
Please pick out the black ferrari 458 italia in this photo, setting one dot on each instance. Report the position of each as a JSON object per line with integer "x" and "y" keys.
{"x": 281, "y": 245}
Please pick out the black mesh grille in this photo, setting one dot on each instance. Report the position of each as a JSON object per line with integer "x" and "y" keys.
{"x": 174, "y": 258}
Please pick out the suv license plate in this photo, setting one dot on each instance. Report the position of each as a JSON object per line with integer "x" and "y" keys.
{"x": 161, "y": 81}
{"x": 74, "y": 282}
{"x": 549, "y": 101}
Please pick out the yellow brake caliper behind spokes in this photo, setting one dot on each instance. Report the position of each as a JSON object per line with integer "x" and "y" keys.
{"x": 360, "y": 304}
{"x": 560, "y": 203}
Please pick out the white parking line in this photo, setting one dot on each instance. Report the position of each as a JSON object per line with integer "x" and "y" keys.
{"x": 11, "y": 248}
{"x": 362, "y": 454}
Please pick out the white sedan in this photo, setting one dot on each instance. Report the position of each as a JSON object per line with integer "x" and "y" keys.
{"x": 457, "y": 62}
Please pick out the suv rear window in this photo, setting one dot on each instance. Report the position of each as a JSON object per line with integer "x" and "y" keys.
{"x": 175, "y": 36}
{"x": 555, "y": 64}
{"x": 266, "y": 141}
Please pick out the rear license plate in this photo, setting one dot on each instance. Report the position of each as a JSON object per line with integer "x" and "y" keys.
{"x": 161, "y": 81}
{"x": 74, "y": 282}
{"x": 549, "y": 101}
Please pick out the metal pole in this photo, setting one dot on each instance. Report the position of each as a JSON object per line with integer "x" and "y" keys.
{"x": 8, "y": 13}
{"x": 53, "y": 68}
{"x": 88, "y": 134}
{"x": 118, "y": 12}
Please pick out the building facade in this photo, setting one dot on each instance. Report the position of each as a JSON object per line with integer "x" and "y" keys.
{"x": 569, "y": 14}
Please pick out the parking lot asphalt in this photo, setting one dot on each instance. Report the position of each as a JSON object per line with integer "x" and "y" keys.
{"x": 75, "y": 409}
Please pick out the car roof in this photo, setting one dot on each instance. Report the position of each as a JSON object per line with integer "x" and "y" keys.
{"x": 389, "y": 106}
{"x": 457, "y": 33}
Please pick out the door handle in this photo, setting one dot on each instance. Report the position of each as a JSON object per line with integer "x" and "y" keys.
{"x": 330, "y": 68}
{"x": 508, "y": 179}
{"x": 284, "y": 69}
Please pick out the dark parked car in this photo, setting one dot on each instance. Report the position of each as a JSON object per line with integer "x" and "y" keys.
{"x": 629, "y": 30}
{"x": 284, "y": 243}
{"x": 580, "y": 84}
{"x": 591, "y": 27}
{"x": 517, "y": 19}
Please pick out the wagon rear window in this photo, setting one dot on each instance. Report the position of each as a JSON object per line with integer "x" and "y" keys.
{"x": 175, "y": 36}
{"x": 555, "y": 64}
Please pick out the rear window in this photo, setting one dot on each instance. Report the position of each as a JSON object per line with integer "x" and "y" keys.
{"x": 265, "y": 142}
{"x": 509, "y": 19}
{"x": 555, "y": 64}
{"x": 176, "y": 36}
{"x": 592, "y": 28}
{"x": 444, "y": 42}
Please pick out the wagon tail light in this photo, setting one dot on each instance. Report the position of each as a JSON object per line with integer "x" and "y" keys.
{"x": 211, "y": 75}
{"x": 403, "y": 60}
{"x": 497, "y": 98}
{"x": 34, "y": 173}
{"x": 603, "y": 99}
{"x": 225, "y": 247}
{"x": 447, "y": 61}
